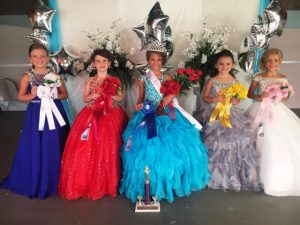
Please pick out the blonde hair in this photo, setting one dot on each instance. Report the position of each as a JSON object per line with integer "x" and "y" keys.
{"x": 266, "y": 55}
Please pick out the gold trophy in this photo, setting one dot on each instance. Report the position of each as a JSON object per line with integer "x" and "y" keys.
{"x": 147, "y": 205}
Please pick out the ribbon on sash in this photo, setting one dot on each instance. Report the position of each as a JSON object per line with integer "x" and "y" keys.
{"x": 222, "y": 111}
{"x": 48, "y": 108}
{"x": 148, "y": 120}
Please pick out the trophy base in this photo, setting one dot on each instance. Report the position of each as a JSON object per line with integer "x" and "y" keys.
{"x": 141, "y": 207}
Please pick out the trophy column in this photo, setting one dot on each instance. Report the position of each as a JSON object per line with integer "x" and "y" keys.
{"x": 147, "y": 205}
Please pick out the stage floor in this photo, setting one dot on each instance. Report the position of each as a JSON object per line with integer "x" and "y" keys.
{"x": 206, "y": 207}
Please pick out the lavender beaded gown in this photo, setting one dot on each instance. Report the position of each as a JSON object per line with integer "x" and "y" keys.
{"x": 233, "y": 159}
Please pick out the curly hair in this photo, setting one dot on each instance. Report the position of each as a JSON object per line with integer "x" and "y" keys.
{"x": 102, "y": 52}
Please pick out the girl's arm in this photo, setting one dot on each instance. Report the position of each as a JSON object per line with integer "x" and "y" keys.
{"x": 207, "y": 89}
{"x": 139, "y": 103}
{"x": 62, "y": 91}
{"x": 167, "y": 99}
{"x": 23, "y": 94}
{"x": 87, "y": 96}
{"x": 251, "y": 91}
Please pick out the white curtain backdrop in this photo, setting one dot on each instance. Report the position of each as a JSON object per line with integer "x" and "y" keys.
{"x": 77, "y": 17}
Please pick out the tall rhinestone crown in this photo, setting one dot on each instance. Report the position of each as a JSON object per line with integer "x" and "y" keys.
{"x": 156, "y": 46}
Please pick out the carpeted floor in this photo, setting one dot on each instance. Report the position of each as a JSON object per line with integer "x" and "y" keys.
{"x": 205, "y": 207}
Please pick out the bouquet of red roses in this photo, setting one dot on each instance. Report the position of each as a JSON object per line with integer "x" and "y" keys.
{"x": 187, "y": 77}
{"x": 168, "y": 87}
{"x": 109, "y": 88}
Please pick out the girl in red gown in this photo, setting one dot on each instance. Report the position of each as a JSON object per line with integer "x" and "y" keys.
{"x": 91, "y": 163}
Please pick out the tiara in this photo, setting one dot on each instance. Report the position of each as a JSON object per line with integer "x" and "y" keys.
{"x": 156, "y": 46}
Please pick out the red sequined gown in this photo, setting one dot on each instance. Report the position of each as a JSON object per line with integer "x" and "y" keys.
{"x": 91, "y": 163}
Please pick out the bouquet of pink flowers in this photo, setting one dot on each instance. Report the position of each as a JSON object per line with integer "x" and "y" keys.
{"x": 277, "y": 91}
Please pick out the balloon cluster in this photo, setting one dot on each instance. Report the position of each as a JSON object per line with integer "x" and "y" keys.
{"x": 271, "y": 23}
{"x": 41, "y": 20}
{"x": 155, "y": 29}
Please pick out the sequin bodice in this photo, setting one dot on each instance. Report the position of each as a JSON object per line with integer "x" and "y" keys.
{"x": 263, "y": 82}
{"x": 150, "y": 91}
{"x": 95, "y": 86}
{"x": 217, "y": 85}
{"x": 35, "y": 79}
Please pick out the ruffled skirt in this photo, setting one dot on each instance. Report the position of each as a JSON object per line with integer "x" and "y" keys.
{"x": 176, "y": 157}
{"x": 233, "y": 158}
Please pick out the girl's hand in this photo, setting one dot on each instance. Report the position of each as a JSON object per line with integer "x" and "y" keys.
{"x": 34, "y": 91}
{"x": 167, "y": 99}
{"x": 262, "y": 96}
{"x": 234, "y": 101}
{"x": 219, "y": 98}
{"x": 139, "y": 106}
{"x": 94, "y": 96}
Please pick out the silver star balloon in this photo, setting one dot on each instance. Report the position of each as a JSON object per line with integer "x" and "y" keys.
{"x": 274, "y": 18}
{"x": 42, "y": 17}
{"x": 157, "y": 22}
{"x": 140, "y": 31}
{"x": 39, "y": 37}
{"x": 62, "y": 61}
{"x": 155, "y": 29}
{"x": 258, "y": 35}
{"x": 168, "y": 42}
{"x": 246, "y": 60}
{"x": 246, "y": 45}
{"x": 142, "y": 67}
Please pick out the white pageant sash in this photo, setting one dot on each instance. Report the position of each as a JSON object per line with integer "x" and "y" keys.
{"x": 48, "y": 107}
{"x": 156, "y": 83}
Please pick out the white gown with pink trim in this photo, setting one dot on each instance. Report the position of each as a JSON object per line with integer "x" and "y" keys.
{"x": 278, "y": 140}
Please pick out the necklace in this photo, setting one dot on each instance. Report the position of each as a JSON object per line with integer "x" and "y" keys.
{"x": 37, "y": 78}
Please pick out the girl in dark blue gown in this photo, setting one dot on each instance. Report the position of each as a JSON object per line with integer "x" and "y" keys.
{"x": 35, "y": 169}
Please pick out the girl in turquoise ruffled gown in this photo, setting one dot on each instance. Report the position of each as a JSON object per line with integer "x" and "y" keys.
{"x": 169, "y": 143}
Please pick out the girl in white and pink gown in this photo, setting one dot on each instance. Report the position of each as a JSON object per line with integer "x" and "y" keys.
{"x": 277, "y": 130}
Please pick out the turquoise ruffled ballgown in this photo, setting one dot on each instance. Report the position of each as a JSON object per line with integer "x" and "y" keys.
{"x": 176, "y": 157}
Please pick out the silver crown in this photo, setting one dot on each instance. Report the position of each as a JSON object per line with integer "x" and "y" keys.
{"x": 156, "y": 46}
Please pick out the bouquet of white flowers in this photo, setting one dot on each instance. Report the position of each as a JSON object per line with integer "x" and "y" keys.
{"x": 52, "y": 80}
{"x": 47, "y": 92}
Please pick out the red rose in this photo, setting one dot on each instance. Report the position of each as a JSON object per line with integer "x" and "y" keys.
{"x": 199, "y": 73}
{"x": 190, "y": 71}
{"x": 180, "y": 71}
{"x": 194, "y": 77}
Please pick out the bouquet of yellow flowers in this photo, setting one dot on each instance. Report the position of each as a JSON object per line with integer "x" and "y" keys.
{"x": 222, "y": 109}
{"x": 236, "y": 90}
